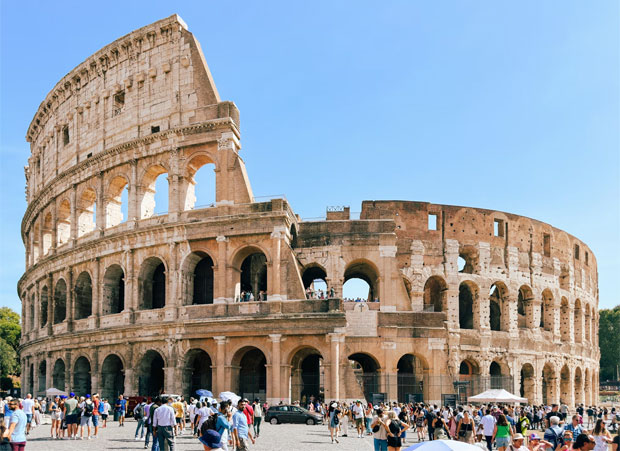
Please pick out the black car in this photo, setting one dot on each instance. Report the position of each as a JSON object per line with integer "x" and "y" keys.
{"x": 292, "y": 414}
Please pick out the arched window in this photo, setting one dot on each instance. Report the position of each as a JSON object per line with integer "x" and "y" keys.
{"x": 82, "y": 376}
{"x": 44, "y": 306}
{"x": 112, "y": 377}
{"x": 366, "y": 370}
{"x": 83, "y": 296}
{"x": 253, "y": 277}
{"x": 116, "y": 210}
{"x": 154, "y": 192}
{"x": 251, "y": 365}
{"x": 60, "y": 301}
{"x": 314, "y": 279}
{"x": 468, "y": 260}
{"x": 47, "y": 233}
{"x": 86, "y": 212}
{"x": 361, "y": 280}
{"x": 151, "y": 374}
{"x": 113, "y": 290}
{"x": 153, "y": 284}
{"x": 203, "y": 281}
{"x": 201, "y": 183}
{"x": 63, "y": 226}
{"x": 497, "y": 301}
{"x": 524, "y": 306}
{"x": 435, "y": 290}
{"x": 196, "y": 372}
{"x": 468, "y": 294}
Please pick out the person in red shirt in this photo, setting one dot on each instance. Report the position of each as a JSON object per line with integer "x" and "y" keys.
{"x": 249, "y": 412}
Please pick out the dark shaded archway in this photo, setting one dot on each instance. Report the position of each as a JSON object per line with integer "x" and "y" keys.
{"x": 366, "y": 271}
{"x": 203, "y": 281}
{"x": 253, "y": 276}
{"x": 42, "y": 374}
{"x": 83, "y": 296}
{"x": 152, "y": 284}
{"x": 252, "y": 379}
{"x": 60, "y": 301}
{"x": 151, "y": 374}
{"x": 196, "y": 372}
{"x": 113, "y": 290}
{"x": 307, "y": 376}
{"x": 112, "y": 377}
{"x": 467, "y": 296}
{"x": 81, "y": 377}
{"x": 44, "y": 306}
{"x": 58, "y": 375}
{"x": 435, "y": 290}
{"x": 366, "y": 370}
{"x": 527, "y": 384}
{"x": 410, "y": 379}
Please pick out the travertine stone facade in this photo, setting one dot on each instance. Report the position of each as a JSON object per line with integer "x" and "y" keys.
{"x": 118, "y": 299}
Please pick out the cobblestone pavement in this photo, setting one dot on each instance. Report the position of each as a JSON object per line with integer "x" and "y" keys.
{"x": 289, "y": 437}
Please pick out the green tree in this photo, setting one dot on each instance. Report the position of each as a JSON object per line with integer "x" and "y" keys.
{"x": 9, "y": 362}
{"x": 609, "y": 342}
{"x": 10, "y": 328}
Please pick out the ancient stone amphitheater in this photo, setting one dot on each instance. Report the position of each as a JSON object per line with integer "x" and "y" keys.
{"x": 118, "y": 299}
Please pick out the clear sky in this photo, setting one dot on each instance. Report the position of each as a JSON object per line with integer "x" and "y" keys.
{"x": 511, "y": 106}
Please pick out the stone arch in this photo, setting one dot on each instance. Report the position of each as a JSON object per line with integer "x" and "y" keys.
{"x": 43, "y": 306}
{"x": 151, "y": 379}
{"x": 86, "y": 211}
{"x": 198, "y": 278}
{"x": 368, "y": 272}
{"x": 499, "y": 373}
{"x": 498, "y": 307}
{"x": 435, "y": 293}
{"x": 307, "y": 375}
{"x": 579, "y": 397}
{"x": 468, "y": 259}
{"x": 565, "y": 385}
{"x": 197, "y": 372}
{"x": 60, "y": 301}
{"x": 250, "y": 372}
{"x": 525, "y": 307}
{"x": 47, "y": 233}
{"x": 293, "y": 233}
{"x": 588, "y": 334}
{"x": 199, "y": 162}
{"x": 81, "y": 376}
{"x": 113, "y": 290}
{"x": 528, "y": 383}
{"x": 410, "y": 370}
{"x": 42, "y": 374}
{"x": 148, "y": 180}
{"x": 565, "y": 320}
{"x": 83, "y": 296}
{"x": 63, "y": 222}
{"x": 112, "y": 376}
{"x": 548, "y": 384}
{"x": 152, "y": 284}
{"x": 578, "y": 320}
{"x": 312, "y": 274}
{"x": 366, "y": 369}
{"x": 114, "y": 201}
{"x": 469, "y": 305}
{"x": 58, "y": 374}
{"x": 547, "y": 310}
{"x": 252, "y": 263}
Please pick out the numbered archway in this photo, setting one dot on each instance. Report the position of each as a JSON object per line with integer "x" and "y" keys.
{"x": 307, "y": 376}
{"x": 112, "y": 377}
{"x": 251, "y": 379}
{"x": 196, "y": 372}
{"x": 151, "y": 374}
{"x": 81, "y": 377}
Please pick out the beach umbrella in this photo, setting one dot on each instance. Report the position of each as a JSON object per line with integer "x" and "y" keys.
{"x": 443, "y": 445}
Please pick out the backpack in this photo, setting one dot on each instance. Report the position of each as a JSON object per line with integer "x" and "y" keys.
{"x": 209, "y": 424}
{"x": 138, "y": 412}
{"x": 101, "y": 407}
{"x": 88, "y": 409}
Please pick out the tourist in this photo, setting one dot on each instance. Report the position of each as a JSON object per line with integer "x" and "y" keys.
{"x": 240, "y": 429}
{"x": 537, "y": 444}
{"x": 420, "y": 424}
{"x": 104, "y": 409}
{"x": 203, "y": 413}
{"x": 488, "y": 427}
{"x": 502, "y": 433}
{"x": 121, "y": 408}
{"x": 211, "y": 440}
{"x": 258, "y": 416}
{"x": 37, "y": 412}
{"x": 138, "y": 414}
{"x": 152, "y": 407}
{"x": 553, "y": 413}
{"x": 179, "y": 416}
{"x": 517, "y": 443}
{"x": 615, "y": 444}
{"x": 379, "y": 431}
{"x": 358, "y": 413}
{"x": 28, "y": 409}
{"x": 87, "y": 415}
{"x": 71, "y": 416}
{"x": 465, "y": 428}
{"x": 16, "y": 430}
{"x": 584, "y": 442}
{"x": 523, "y": 423}
{"x": 574, "y": 426}
{"x": 63, "y": 421}
{"x": 249, "y": 413}
{"x": 345, "y": 419}
{"x": 96, "y": 414}
{"x": 163, "y": 424}
{"x": 567, "y": 440}
{"x": 55, "y": 417}
{"x": 403, "y": 416}
{"x": 223, "y": 424}
{"x": 334, "y": 421}
{"x": 394, "y": 429}
{"x": 602, "y": 437}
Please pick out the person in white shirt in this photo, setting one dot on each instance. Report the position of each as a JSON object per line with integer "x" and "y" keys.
{"x": 488, "y": 427}
{"x": 28, "y": 408}
{"x": 164, "y": 421}
{"x": 358, "y": 416}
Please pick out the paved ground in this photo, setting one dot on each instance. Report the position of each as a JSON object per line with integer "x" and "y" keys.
{"x": 289, "y": 437}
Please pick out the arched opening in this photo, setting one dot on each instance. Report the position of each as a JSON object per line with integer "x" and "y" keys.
{"x": 496, "y": 376}
{"x": 361, "y": 280}
{"x": 587, "y": 388}
{"x": 58, "y": 375}
{"x": 117, "y": 202}
{"x": 565, "y": 388}
{"x": 307, "y": 376}
{"x": 200, "y": 183}
{"x": 579, "y": 398}
{"x": 468, "y": 260}
{"x": 44, "y": 306}
{"x": 527, "y": 385}
{"x": 63, "y": 225}
{"x": 31, "y": 324}
{"x": 468, "y": 292}
{"x": 154, "y": 192}
{"x": 497, "y": 300}
{"x": 47, "y": 233}
{"x": 86, "y": 211}
{"x": 252, "y": 377}
{"x": 83, "y": 296}
{"x": 203, "y": 281}
{"x": 60, "y": 301}
{"x": 196, "y": 372}
{"x": 35, "y": 243}
{"x": 112, "y": 377}
{"x": 548, "y": 384}
{"x": 410, "y": 379}
{"x": 587, "y": 324}
{"x": 469, "y": 382}
{"x": 113, "y": 290}
{"x": 253, "y": 277}
{"x": 293, "y": 232}
{"x": 546, "y": 314}
{"x": 151, "y": 374}
{"x": 524, "y": 307}
{"x": 31, "y": 378}
{"x": 565, "y": 320}
{"x": 578, "y": 322}
{"x": 366, "y": 370}
{"x": 314, "y": 278}
{"x": 42, "y": 374}
{"x": 152, "y": 283}
{"x": 81, "y": 376}
{"x": 435, "y": 290}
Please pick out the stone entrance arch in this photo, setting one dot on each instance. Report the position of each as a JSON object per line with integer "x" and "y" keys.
{"x": 151, "y": 374}
{"x": 548, "y": 384}
{"x": 58, "y": 375}
{"x": 410, "y": 379}
{"x": 250, "y": 366}
{"x": 468, "y": 305}
{"x": 113, "y": 290}
{"x": 83, "y": 296}
{"x": 42, "y": 373}
{"x": 307, "y": 376}
{"x": 197, "y": 372}
{"x": 253, "y": 277}
{"x": 81, "y": 377}
{"x": 527, "y": 384}
{"x": 198, "y": 279}
{"x": 366, "y": 371}
{"x": 152, "y": 283}
{"x": 435, "y": 290}
{"x": 367, "y": 271}
{"x": 112, "y": 377}
{"x": 60, "y": 301}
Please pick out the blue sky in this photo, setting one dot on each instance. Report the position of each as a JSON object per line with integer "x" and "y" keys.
{"x": 511, "y": 106}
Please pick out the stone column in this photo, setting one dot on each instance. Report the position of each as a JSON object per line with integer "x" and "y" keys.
{"x": 50, "y": 304}
{"x": 70, "y": 298}
{"x": 96, "y": 292}
{"x": 275, "y": 290}
{"x": 54, "y": 244}
{"x": 130, "y": 378}
{"x": 334, "y": 365}
{"x": 274, "y": 381}
{"x": 35, "y": 376}
{"x": 131, "y": 286}
{"x": 100, "y": 218}
{"x": 220, "y": 362}
{"x": 74, "y": 226}
{"x": 452, "y": 307}
{"x": 68, "y": 379}
{"x": 133, "y": 207}
{"x": 48, "y": 370}
{"x": 219, "y": 275}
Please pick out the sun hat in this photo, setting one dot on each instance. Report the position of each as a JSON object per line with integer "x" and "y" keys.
{"x": 534, "y": 437}
{"x": 518, "y": 437}
{"x": 211, "y": 439}
{"x": 334, "y": 405}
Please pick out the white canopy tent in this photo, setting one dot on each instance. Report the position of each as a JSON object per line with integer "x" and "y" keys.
{"x": 51, "y": 392}
{"x": 499, "y": 395}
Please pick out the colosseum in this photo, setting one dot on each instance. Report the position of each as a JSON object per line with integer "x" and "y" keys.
{"x": 117, "y": 298}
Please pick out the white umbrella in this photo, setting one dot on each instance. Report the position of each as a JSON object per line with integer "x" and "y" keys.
{"x": 54, "y": 392}
{"x": 443, "y": 445}
{"x": 230, "y": 396}
{"x": 497, "y": 396}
